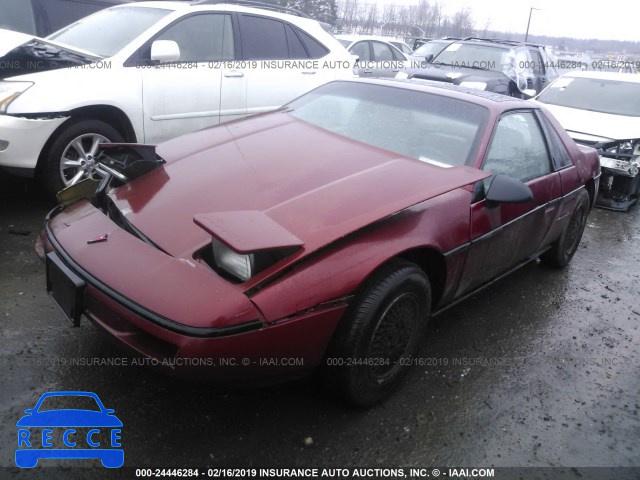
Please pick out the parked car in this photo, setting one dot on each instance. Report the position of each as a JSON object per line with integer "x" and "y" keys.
{"x": 376, "y": 57}
{"x": 43, "y": 17}
{"x": 327, "y": 232}
{"x": 501, "y": 66}
{"x": 602, "y": 110}
{"x": 147, "y": 72}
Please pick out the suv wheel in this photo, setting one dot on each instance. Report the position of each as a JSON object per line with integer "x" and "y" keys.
{"x": 71, "y": 156}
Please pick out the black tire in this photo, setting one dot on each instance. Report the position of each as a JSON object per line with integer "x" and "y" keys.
{"x": 394, "y": 304}
{"x": 563, "y": 249}
{"x": 53, "y": 178}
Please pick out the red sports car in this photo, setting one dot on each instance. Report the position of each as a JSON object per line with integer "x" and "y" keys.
{"x": 322, "y": 235}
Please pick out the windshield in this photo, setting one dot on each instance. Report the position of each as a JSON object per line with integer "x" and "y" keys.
{"x": 428, "y": 127}
{"x": 430, "y": 48}
{"x": 598, "y": 95}
{"x": 105, "y": 33}
{"x": 472, "y": 55}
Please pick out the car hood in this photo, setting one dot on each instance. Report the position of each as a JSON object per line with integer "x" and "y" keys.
{"x": 21, "y": 54}
{"x": 69, "y": 418}
{"x": 317, "y": 185}
{"x": 595, "y": 126}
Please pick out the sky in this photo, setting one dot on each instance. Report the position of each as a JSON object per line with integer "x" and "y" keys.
{"x": 603, "y": 19}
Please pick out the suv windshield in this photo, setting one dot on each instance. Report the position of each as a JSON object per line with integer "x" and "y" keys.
{"x": 105, "y": 33}
{"x": 488, "y": 57}
{"x": 428, "y": 127}
{"x": 594, "y": 94}
{"x": 430, "y": 48}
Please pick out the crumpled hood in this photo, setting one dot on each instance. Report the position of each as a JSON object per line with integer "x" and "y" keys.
{"x": 317, "y": 185}
{"x": 595, "y": 126}
{"x": 21, "y": 54}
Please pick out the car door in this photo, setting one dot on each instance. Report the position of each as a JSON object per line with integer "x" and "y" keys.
{"x": 504, "y": 235}
{"x": 387, "y": 60}
{"x": 362, "y": 50}
{"x": 539, "y": 75}
{"x": 279, "y": 63}
{"x": 184, "y": 96}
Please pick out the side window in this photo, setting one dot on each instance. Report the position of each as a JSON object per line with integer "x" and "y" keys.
{"x": 518, "y": 148}
{"x": 201, "y": 38}
{"x": 381, "y": 52}
{"x": 314, "y": 47}
{"x": 17, "y": 15}
{"x": 361, "y": 49}
{"x": 296, "y": 48}
{"x": 263, "y": 38}
{"x": 559, "y": 155}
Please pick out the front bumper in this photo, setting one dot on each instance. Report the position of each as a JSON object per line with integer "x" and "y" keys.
{"x": 259, "y": 350}
{"x": 619, "y": 185}
{"x": 22, "y": 140}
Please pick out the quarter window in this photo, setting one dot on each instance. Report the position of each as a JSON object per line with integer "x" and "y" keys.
{"x": 263, "y": 38}
{"x": 518, "y": 148}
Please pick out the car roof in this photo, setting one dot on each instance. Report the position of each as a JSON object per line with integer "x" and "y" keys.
{"x": 197, "y": 5}
{"x": 493, "y": 101}
{"x": 622, "y": 77}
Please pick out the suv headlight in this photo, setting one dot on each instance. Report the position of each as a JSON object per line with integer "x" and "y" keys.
{"x": 9, "y": 91}
{"x": 476, "y": 85}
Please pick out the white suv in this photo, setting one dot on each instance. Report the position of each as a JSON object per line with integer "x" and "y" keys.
{"x": 147, "y": 72}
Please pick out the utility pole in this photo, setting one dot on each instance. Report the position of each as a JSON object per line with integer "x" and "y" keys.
{"x": 526, "y": 36}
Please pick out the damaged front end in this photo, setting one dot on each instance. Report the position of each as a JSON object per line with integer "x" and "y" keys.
{"x": 115, "y": 165}
{"x": 620, "y": 181}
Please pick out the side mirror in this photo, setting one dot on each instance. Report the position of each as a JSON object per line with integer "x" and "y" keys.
{"x": 529, "y": 92}
{"x": 165, "y": 51}
{"x": 29, "y": 411}
{"x": 505, "y": 189}
{"x": 109, "y": 411}
{"x": 428, "y": 57}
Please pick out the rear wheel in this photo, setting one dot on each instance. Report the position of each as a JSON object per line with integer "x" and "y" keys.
{"x": 72, "y": 155}
{"x": 368, "y": 355}
{"x": 563, "y": 249}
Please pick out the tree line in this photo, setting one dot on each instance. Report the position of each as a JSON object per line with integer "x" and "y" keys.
{"x": 428, "y": 19}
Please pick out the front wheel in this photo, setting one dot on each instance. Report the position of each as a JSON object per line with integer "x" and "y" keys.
{"x": 72, "y": 155}
{"x": 563, "y": 249}
{"x": 368, "y": 355}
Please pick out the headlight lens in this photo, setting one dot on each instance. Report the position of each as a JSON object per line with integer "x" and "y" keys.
{"x": 476, "y": 85}
{"x": 240, "y": 266}
{"x": 9, "y": 91}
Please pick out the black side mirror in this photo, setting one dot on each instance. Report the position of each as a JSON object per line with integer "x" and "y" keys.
{"x": 428, "y": 57}
{"x": 505, "y": 189}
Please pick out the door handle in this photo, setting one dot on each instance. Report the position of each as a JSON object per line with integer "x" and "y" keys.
{"x": 234, "y": 73}
{"x": 309, "y": 72}
{"x": 367, "y": 71}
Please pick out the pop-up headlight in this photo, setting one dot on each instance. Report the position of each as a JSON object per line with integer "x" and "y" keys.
{"x": 240, "y": 266}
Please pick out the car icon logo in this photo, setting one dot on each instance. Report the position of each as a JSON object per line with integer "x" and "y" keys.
{"x": 90, "y": 432}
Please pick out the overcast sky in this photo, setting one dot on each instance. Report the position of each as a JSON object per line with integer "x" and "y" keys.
{"x": 602, "y": 19}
